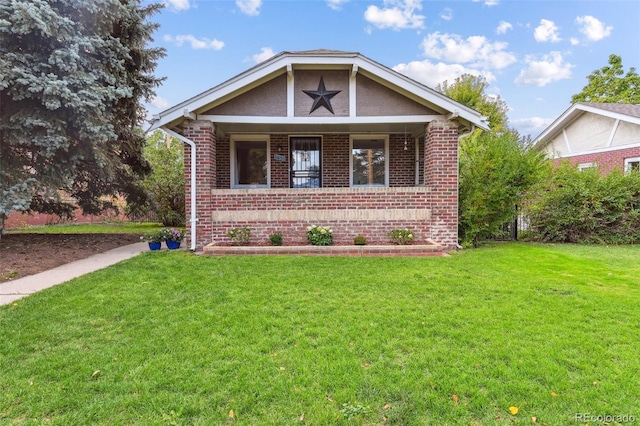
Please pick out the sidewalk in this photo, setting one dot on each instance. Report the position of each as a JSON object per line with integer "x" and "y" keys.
{"x": 22, "y": 287}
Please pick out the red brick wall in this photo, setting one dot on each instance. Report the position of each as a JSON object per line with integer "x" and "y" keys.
{"x": 441, "y": 176}
{"x": 202, "y": 133}
{"x": 439, "y": 166}
{"x": 335, "y": 161}
{"x": 232, "y": 205}
{"x": 606, "y": 161}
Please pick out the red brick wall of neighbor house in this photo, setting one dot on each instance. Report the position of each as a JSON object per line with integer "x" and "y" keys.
{"x": 441, "y": 177}
{"x": 202, "y": 133}
{"x": 606, "y": 161}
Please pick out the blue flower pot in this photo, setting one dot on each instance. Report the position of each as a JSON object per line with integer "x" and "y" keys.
{"x": 172, "y": 245}
{"x": 154, "y": 246}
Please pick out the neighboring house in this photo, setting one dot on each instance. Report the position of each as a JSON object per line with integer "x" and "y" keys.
{"x": 321, "y": 137}
{"x": 595, "y": 134}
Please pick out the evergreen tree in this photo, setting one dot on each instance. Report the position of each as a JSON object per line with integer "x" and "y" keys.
{"x": 72, "y": 75}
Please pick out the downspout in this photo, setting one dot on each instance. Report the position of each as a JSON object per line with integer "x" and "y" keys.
{"x": 471, "y": 130}
{"x": 193, "y": 219}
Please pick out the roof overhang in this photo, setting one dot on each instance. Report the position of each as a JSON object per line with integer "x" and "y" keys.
{"x": 572, "y": 114}
{"x": 287, "y": 62}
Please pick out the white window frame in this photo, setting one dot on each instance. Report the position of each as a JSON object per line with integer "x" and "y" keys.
{"x": 628, "y": 161}
{"x": 234, "y": 159}
{"x": 386, "y": 159}
{"x": 584, "y": 166}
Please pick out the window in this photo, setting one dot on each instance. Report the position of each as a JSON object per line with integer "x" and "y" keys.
{"x": 632, "y": 164}
{"x": 369, "y": 161}
{"x": 250, "y": 163}
{"x": 306, "y": 170}
{"x": 583, "y": 166}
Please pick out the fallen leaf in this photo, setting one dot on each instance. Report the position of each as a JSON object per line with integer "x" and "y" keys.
{"x": 534, "y": 419}
{"x": 329, "y": 398}
{"x": 433, "y": 385}
{"x": 595, "y": 383}
{"x": 455, "y": 398}
{"x": 387, "y": 406}
{"x": 553, "y": 394}
{"x": 301, "y": 417}
{"x": 231, "y": 414}
{"x": 351, "y": 343}
{"x": 283, "y": 368}
{"x": 95, "y": 373}
{"x": 365, "y": 365}
{"x": 514, "y": 410}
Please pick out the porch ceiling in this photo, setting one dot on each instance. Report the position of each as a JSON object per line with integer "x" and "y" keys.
{"x": 411, "y": 129}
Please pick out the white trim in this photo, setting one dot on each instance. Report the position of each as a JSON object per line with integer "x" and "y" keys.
{"x": 566, "y": 139}
{"x": 320, "y": 120}
{"x": 384, "y": 137}
{"x": 600, "y": 150}
{"x": 352, "y": 91}
{"x": 612, "y": 134}
{"x": 628, "y": 161}
{"x": 290, "y": 92}
{"x": 233, "y": 158}
{"x": 583, "y": 166}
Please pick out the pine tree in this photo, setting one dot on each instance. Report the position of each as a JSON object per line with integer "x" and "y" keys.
{"x": 72, "y": 77}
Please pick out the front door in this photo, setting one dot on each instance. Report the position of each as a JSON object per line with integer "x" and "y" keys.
{"x": 306, "y": 169}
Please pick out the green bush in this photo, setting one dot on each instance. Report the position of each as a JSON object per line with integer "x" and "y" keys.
{"x": 496, "y": 171}
{"x": 320, "y": 235}
{"x": 581, "y": 206}
{"x": 360, "y": 240}
{"x": 239, "y": 235}
{"x": 401, "y": 236}
{"x": 275, "y": 239}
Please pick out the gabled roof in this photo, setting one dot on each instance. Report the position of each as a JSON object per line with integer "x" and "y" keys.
{"x": 285, "y": 62}
{"x": 625, "y": 112}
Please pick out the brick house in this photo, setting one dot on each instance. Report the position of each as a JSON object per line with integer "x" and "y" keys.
{"x": 595, "y": 134}
{"x": 320, "y": 137}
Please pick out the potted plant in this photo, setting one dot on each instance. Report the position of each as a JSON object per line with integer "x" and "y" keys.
{"x": 154, "y": 238}
{"x": 172, "y": 237}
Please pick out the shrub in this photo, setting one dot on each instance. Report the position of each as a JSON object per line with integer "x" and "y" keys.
{"x": 275, "y": 239}
{"x": 240, "y": 235}
{"x": 320, "y": 235}
{"x": 581, "y": 206}
{"x": 360, "y": 240}
{"x": 401, "y": 236}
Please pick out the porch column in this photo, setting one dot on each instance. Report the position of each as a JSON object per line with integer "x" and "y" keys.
{"x": 441, "y": 178}
{"x": 203, "y": 134}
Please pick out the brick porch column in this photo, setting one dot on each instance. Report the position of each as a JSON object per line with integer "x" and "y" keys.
{"x": 441, "y": 177}
{"x": 203, "y": 134}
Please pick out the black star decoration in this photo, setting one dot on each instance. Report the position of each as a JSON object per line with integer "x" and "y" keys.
{"x": 321, "y": 97}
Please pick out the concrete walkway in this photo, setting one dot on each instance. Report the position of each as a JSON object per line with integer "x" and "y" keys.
{"x": 22, "y": 287}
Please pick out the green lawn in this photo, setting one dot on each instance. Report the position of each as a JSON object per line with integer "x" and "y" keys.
{"x": 89, "y": 228}
{"x": 174, "y": 338}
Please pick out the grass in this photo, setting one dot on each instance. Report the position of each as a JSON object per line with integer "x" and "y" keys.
{"x": 175, "y": 339}
{"x": 89, "y": 228}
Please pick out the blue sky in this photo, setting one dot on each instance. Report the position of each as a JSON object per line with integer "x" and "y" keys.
{"x": 534, "y": 54}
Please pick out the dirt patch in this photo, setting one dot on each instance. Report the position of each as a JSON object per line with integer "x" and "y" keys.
{"x": 28, "y": 254}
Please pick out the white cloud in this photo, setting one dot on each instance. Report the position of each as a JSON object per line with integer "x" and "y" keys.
{"x": 336, "y": 4}
{"x": 592, "y": 28}
{"x": 431, "y": 74}
{"x": 197, "y": 44}
{"x": 546, "y": 31}
{"x": 178, "y": 5}
{"x": 546, "y": 70}
{"x": 249, "y": 7}
{"x": 447, "y": 14}
{"x": 160, "y": 103}
{"x": 265, "y": 53}
{"x": 476, "y": 51}
{"x": 396, "y": 14}
{"x": 488, "y": 2}
{"x": 503, "y": 27}
{"x": 574, "y": 41}
{"x": 532, "y": 125}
